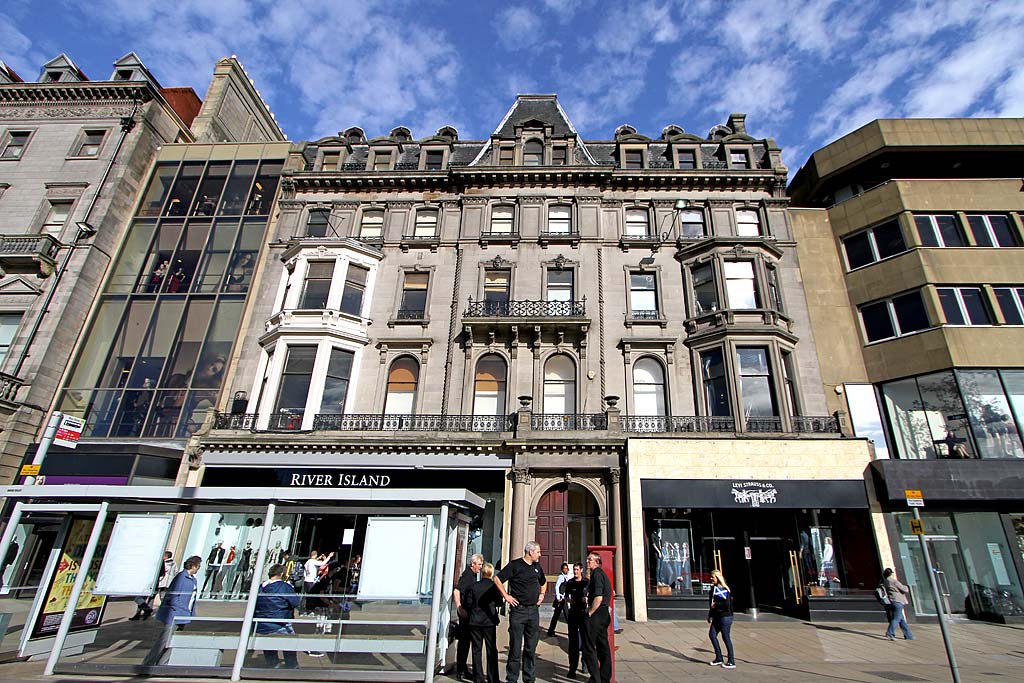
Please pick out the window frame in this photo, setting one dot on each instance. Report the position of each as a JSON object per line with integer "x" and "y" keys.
{"x": 664, "y": 385}
{"x": 48, "y": 205}
{"x": 755, "y": 290}
{"x": 531, "y": 155}
{"x": 1016, "y": 297}
{"x": 326, "y": 213}
{"x": 552, "y": 208}
{"x": 414, "y": 404}
{"x": 634, "y": 314}
{"x": 990, "y": 232}
{"x": 872, "y": 238}
{"x": 636, "y": 211}
{"x": 6, "y": 317}
{"x": 625, "y": 152}
{"x": 559, "y": 286}
{"x": 403, "y": 312}
{"x": 559, "y": 155}
{"x": 307, "y": 279}
{"x": 80, "y": 142}
{"x": 376, "y": 155}
{"x": 737, "y": 151}
{"x": 491, "y": 222}
{"x": 963, "y": 309}
{"x": 893, "y": 318}
{"x": 372, "y": 211}
{"x": 506, "y": 155}
{"x": 502, "y": 392}
{"x": 745, "y": 211}
{"x": 337, "y": 157}
{"x": 350, "y": 286}
{"x": 417, "y": 223}
{"x": 425, "y": 156}
{"x": 694, "y": 152}
{"x": 9, "y": 138}
{"x": 692, "y": 210}
{"x": 936, "y": 232}
{"x": 347, "y": 381}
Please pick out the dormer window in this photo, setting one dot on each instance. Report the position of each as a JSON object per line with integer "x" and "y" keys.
{"x": 331, "y": 161}
{"x": 506, "y": 156}
{"x": 382, "y": 161}
{"x": 739, "y": 159}
{"x": 52, "y": 77}
{"x": 433, "y": 160}
{"x": 533, "y": 153}
{"x": 123, "y": 75}
{"x": 633, "y": 158}
{"x": 686, "y": 159}
{"x": 559, "y": 155}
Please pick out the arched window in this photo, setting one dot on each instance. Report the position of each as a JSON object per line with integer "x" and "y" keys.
{"x": 560, "y": 385}
{"x": 648, "y": 388}
{"x": 402, "y": 380}
{"x": 489, "y": 386}
{"x": 533, "y": 153}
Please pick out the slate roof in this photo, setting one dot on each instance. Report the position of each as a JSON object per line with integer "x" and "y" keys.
{"x": 544, "y": 108}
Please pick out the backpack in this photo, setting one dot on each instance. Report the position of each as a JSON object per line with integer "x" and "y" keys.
{"x": 882, "y": 595}
{"x": 297, "y": 573}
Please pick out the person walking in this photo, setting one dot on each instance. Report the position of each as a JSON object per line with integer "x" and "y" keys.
{"x": 597, "y": 653}
{"x": 480, "y": 601}
{"x": 559, "y": 603}
{"x": 527, "y": 585}
{"x": 575, "y": 592}
{"x": 277, "y": 600}
{"x": 720, "y": 618}
{"x": 176, "y": 610}
{"x": 899, "y": 599}
{"x": 467, "y": 579}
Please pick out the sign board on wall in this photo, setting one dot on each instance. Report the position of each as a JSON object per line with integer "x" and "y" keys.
{"x": 381, "y": 575}
{"x": 69, "y": 431}
{"x": 135, "y": 555}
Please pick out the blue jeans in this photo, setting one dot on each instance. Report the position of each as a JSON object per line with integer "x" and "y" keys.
{"x": 523, "y": 634}
{"x": 898, "y": 619}
{"x": 721, "y": 625}
{"x": 291, "y": 660}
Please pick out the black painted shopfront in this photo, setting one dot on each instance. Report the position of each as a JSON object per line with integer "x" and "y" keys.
{"x": 803, "y": 548}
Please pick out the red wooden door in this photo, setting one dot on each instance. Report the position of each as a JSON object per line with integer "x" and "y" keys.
{"x": 552, "y": 525}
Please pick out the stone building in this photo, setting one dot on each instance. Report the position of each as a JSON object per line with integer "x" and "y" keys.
{"x": 606, "y": 340}
{"x": 910, "y": 233}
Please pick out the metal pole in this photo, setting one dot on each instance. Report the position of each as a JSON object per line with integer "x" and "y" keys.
{"x": 435, "y": 604}
{"x": 5, "y": 543}
{"x": 76, "y": 590}
{"x": 44, "y": 444}
{"x": 938, "y": 604}
{"x": 254, "y": 589}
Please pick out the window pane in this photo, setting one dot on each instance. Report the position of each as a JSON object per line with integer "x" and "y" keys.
{"x": 739, "y": 284}
{"x": 533, "y": 153}
{"x": 237, "y": 189}
{"x": 185, "y": 351}
{"x": 858, "y": 250}
{"x": 889, "y": 239}
{"x": 643, "y": 296}
{"x": 336, "y": 384}
{"x": 1010, "y": 303}
{"x": 926, "y": 232}
{"x": 636, "y": 223}
{"x": 877, "y": 323}
{"x": 716, "y": 390}
{"x": 994, "y": 430}
{"x": 434, "y": 160}
{"x": 980, "y": 231}
{"x": 910, "y": 313}
{"x": 747, "y": 223}
{"x": 158, "y": 189}
{"x": 692, "y": 223}
{"x": 1013, "y": 380}
{"x": 355, "y": 285}
{"x": 372, "y": 224}
{"x": 223, "y": 328}
{"x": 402, "y": 380}
{"x": 705, "y": 294}
{"x": 496, "y": 285}
{"x": 317, "y": 286}
{"x": 950, "y": 231}
{"x": 1003, "y": 231}
{"x": 634, "y": 158}
{"x": 501, "y": 219}
{"x": 687, "y": 159}
{"x": 318, "y": 223}
{"x": 913, "y": 439}
{"x": 951, "y": 307}
{"x": 426, "y": 224}
{"x": 8, "y": 327}
{"x": 559, "y": 155}
{"x": 298, "y": 372}
{"x": 947, "y": 419}
{"x": 489, "y": 386}
{"x": 755, "y": 382}
{"x": 648, "y": 388}
{"x": 977, "y": 309}
{"x": 559, "y": 220}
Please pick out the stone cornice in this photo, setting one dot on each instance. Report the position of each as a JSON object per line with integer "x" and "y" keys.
{"x": 88, "y": 92}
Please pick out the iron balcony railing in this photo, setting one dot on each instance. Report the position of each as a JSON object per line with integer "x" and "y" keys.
{"x": 564, "y": 421}
{"x": 410, "y": 314}
{"x": 677, "y": 423}
{"x": 645, "y": 315}
{"x": 526, "y": 309}
{"x": 823, "y": 424}
{"x": 236, "y": 421}
{"x": 414, "y": 423}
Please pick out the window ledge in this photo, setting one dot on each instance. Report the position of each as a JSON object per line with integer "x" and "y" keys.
{"x": 424, "y": 322}
{"x": 411, "y": 242}
{"x": 511, "y": 238}
{"x": 658, "y": 320}
{"x": 71, "y": 157}
{"x": 571, "y": 238}
{"x": 639, "y": 241}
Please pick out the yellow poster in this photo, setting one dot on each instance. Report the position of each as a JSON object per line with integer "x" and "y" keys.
{"x": 90, "y": 607}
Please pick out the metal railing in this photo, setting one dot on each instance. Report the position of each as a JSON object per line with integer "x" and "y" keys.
{"x": 644, "y": 315}
{"x": 817, "y": 424}
{"x": 410, "y": 314}
{"x": 677, "y": 423}
{"x": 526, "y": 309}
{"x": 568, "y": 421}
{"x": 414, "y": 423}
{"x": 772, "y": 424}
{"x": 235, "y": 421}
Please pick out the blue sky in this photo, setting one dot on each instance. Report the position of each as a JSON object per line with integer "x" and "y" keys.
{"x": 804, "y": 71}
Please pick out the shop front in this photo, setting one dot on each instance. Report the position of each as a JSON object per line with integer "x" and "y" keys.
{"x": 973, "y": 523}
{"x": 793, "y": 536}
{"x": 381, "y": 612}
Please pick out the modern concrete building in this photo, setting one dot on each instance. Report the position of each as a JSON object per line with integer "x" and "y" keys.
{"x": 911, "y": 238}
{"x": 550, "y": 322}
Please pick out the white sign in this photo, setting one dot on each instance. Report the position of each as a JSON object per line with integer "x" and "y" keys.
{"x": 135, "y": 554}
{"x": 69, "y": 431}
{"x": 915, "y": 502}
{"x": 995, "y": 555}
{"x": 756, "y": 493}
{"x": 381, "y": 576}
{"x": 746, "y": 552}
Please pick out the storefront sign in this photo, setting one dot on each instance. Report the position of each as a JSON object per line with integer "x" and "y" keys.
{"x": 69, "y": 431}
{"x": 351, "y": 477}
{"x": 755, "y": 493}
{"x": 340, "y": 479}
{"x": 89, "y": 611}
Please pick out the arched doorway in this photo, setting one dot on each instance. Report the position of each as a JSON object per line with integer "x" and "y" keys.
{"x": 567, "y": 521}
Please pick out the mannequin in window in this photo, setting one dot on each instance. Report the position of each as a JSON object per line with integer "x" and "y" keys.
{"x": 658, "y": 558}
{"x": 242, "y": 570}
{"x": 177, "y": 281}
{"x": 214, "y": 564}
{"x": 239, "y": 273}
{"x": 828, "y": 559}
{"x": 157, "y": 278}
{"x": 208, "y": 374}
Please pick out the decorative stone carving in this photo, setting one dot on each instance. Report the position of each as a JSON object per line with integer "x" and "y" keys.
{"x": 614, "y": 475}
{"x": 520, "y": 476}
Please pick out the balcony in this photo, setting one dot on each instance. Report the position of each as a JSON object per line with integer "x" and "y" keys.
{"x": 29, "y": 254}
{"x": 526, "y": 309}
{"x": 571, "y": 238}
{"x": 9, "y": 386}
{"x": 569, "y": 421}
{"x": 645, "y": 317}
{"x": 408, "y": 242}
{"x": 414, "y": 423}
{"x": 659, "y": 424}
{"x": 491, "y": 237}
{"x": 557, "y": 321}
{"x": 326, "y": 321}
{"x": 738, "y": 321}
{"x": 627, "y": 242}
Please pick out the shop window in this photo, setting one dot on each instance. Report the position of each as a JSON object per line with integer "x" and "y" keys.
{"x": 939, "y": 230}
{"x": 643, "y": 296}
{"x": 294, "y": 390}
{"x": 89, "y": 143}
{"x": 372, "y": 225}
{"x": 414, "y": 296}
{"x": 496, "y": 286}
{"x": 158, "y": 190}
{"x": 489, "y": 385}
{"x": 14, "y": 144}
{"x": 316, "y": 286}
{"x": 355, "y": 287}
{"x": 1013, "y": 381}
{"x": 715, "y": 384}
{"x": 560, "y": 220}
{"x": 756, "y": 386}
{"x": 433, "y": 160}
{"x": 691, "y": 224}
{"x": 1011, "y": 303}
{"x": 705, "y": 293}
{"x": 874, "y": 244}
{"x": 559, "y": 155}
{"x": 928, "y": 418}
{"x": 401, "y": 391}
{"x": 649, "y": 388}
{"x": 995, "y": 431}
{"x": 57, "y": 212}
{"x": 740, "y": 288}
{"x": 560, "y": 284}
{"x": 426, "y": 224}
{"x": 637, "y": 223}
{"x": 9, "y": 323}
{"x": 964, "y": 306}
{"x": 502, "y": 220}
{"x": 748, "y": 223}
{"x": 533, "y": 153}
{"x": 339, "y": 372}
{"x": 238, "y": 187}
{"x": 210, "y": 188}
{"x": 894, "y": 317}
{"x": 560, "y": 385}
{"x": 992, "y": 230}
{"x": 263, "y": 189}
{"x": 318, "y": 223}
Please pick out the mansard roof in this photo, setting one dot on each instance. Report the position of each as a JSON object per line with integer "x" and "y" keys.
{"x": 535, "y": 110}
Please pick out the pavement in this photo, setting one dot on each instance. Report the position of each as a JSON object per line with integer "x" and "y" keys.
{"x": 776, "y": 651}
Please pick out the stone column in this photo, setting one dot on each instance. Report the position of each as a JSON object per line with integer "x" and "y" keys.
{"x": 615, "y": 522}
{"x": 520, "y": 478}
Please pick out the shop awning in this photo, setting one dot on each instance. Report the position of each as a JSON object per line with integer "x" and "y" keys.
{"x": 950, "y": 480}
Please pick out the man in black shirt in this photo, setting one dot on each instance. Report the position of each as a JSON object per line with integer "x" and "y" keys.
{"x": 596, "y": 651}
{"x": 575, "y": 592}
{"x": 526, "y": 587}
{"x": 467, "y": 579}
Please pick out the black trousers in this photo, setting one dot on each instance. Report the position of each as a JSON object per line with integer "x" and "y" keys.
{"x": 576, "y": 627}
{"x": 558, "y": 606}
{"x": 485, "y": 636}
{"x": 462, "y": 635}
{"x": 597, "y": 653}
{"x": 523, "y": 634}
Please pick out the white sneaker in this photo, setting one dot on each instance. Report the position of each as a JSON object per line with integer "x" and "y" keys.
{"x": 728, "y": 665}
{"x": 717, "y": 662}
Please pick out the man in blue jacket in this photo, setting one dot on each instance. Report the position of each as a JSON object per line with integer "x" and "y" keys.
{"x": 277, "y": 600}
{"x": 177, "y": 609}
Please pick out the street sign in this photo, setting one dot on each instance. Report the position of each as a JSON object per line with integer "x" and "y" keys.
{"x": 69, "y": 431}
{"x": 917, "y": 527}
{"x": 914, "y": 498}
{"x": 746, "y": 552}
{"x": 30, "y": 470}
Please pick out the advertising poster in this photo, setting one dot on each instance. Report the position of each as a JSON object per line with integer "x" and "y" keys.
{"x": 90, "y": 607}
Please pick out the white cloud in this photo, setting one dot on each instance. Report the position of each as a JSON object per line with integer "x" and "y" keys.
{"x": 18, "y": 51}
{"x": 518, "y": 27}
{"x": 763, "y": 90}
